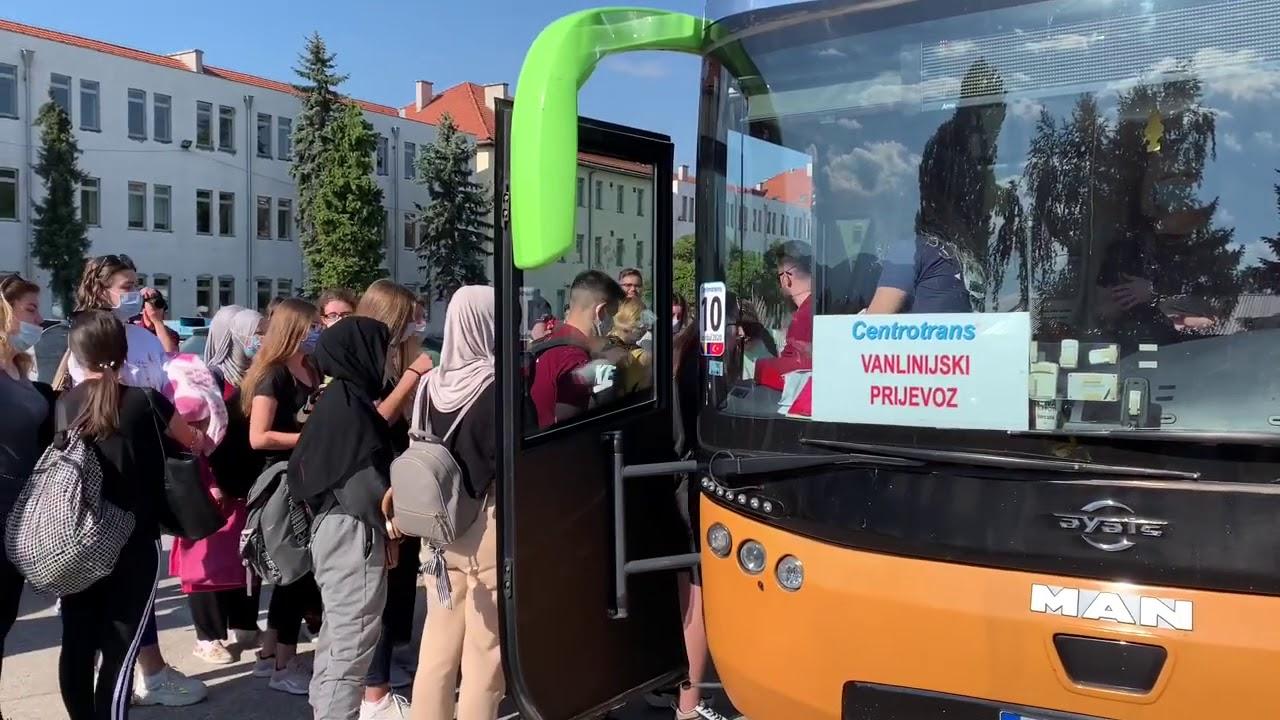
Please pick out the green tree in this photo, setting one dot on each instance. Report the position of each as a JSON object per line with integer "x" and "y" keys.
{"x": 455, "y": 223}
{"x": 345, "y": 248}
{"x": 683, "y": 268}
{"x": 60, "y": 241}
{"x": 321, "y": 106}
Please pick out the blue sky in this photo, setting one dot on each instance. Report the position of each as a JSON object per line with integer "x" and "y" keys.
{"x": 385, "y": 45}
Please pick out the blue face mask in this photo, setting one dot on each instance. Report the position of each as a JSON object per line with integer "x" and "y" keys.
{"x": 26, "y": 337}
{"x": 309, "y": 342}
{"x": 129, "y": 306}
{"x": 252, "y": 347}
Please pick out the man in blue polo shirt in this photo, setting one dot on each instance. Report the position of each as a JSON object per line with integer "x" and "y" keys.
{"x": 923, "y": 276}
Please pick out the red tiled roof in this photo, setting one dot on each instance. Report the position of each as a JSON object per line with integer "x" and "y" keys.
{"x": 165, "y": 61}
{"x": 793, "y": 187}
{"x": 610, "y": 163}
{"x": 465, "y": 104}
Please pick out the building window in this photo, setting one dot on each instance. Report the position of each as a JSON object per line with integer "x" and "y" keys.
{"x": 560, "y": 301}
{"x": 90, "y": 198}
{"x": 60, "y": 92}
{"x": 226, "y": 214}
{"x": 582, "y": 192}
{"x": 204, "y": 293}
{"x": 264, "y": 135}
{"x": 8, "y": 194}
{"x": 599, "y": 194}
{"x": 382, "y": 155}
{"x": 204, "y": 212}
{"x": 619, "y": 251}
{"x": 161, "y": 284}
{"x": 226, "y": 128}
{"x": 684, "y": 208}
{"x": 640, "y": 253}
{"x": 137, "y": 206}
{"x": 162, "y": 118}
{"x": 8, "y": 90}
{"x": 204, "y": 125}
{"x": 284, "y": 218}
{"x": 621, "y": 190}
{"x": 226, "y": 291}
{"x": 639, "y": 203}
{"x": 264, "y": 217}
{"x": 161, "y": 209}
{"x": 90, "y": 110}
{"x": 142, "y": 280}
{"x": 410, "y": 161}
{"x": 582, "y": 241}
{"x": 137, "y": 114}
{"x": 598, "y": 258}
{"x": 284, "y": 138}
{"x": 262, "y": 291}
{"x": 284, "y": 288}
{"x": 410, "y": 239}
{"x": 386, "y": 227}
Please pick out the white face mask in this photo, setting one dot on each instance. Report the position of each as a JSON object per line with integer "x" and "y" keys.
{"x": 128, "y": 306}
{"x": 415, "y": 329}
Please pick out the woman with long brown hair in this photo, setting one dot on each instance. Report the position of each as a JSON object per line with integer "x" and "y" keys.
{"x": 23, "y": 297}
{"x": 396, "y": 307}
{"x": 276, "y": 396}
{"x": 124, "y": 426}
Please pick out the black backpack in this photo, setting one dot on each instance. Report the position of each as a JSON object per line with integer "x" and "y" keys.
{"x": 529, "y": 369}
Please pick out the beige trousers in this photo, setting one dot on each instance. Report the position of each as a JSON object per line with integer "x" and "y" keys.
{"x": 465, "y": 636}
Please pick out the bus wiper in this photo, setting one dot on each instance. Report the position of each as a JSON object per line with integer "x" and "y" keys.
{"x": 1003, "y": 462}
{"x": 727, "y": 464}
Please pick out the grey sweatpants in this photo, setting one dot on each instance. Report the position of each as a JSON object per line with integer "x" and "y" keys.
{"x": 351, "y": 570}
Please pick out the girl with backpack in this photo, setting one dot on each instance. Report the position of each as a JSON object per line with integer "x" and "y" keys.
{"x": 465, "y": 634}
{"x": 223, "y": 606}
{"x": 123, "y": 425}
{"x": 276, "y": 396}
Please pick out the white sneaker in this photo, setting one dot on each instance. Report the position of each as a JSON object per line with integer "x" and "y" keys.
{"x": 213, "y": 652}
{"x": 701, "y": 712}
{"x": 290, "y": 680}
{"x": 169, "y": 688}
{"x": 391, "y": 707}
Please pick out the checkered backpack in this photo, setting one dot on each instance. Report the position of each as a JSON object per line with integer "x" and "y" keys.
{"x": 62, "y": 535}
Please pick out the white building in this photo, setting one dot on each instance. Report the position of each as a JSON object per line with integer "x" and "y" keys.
{"x": 189, "y": 167}
{"x": 775, "y": 211}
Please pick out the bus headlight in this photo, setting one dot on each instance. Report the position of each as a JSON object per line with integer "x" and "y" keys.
{"x": 790, "y": 572}
{"x": 719, "y": 540}
{"x": 751, "y": 557}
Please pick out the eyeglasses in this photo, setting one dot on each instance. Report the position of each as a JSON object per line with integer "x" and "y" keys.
{"x": 336, "y": 316}
{"x": 120, "y": 259}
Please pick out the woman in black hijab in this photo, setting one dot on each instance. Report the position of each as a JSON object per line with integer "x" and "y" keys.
{"x": 340, "y": 468}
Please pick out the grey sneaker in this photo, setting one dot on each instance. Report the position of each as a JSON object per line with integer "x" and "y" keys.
{"x": 169, "y": 688}
{"x": 701, "y": 712}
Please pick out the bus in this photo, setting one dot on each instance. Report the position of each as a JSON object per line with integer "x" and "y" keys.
{"x": 988, "y": 303}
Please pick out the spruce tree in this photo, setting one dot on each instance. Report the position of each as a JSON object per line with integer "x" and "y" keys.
{"x": 61, "y": 240}
{"x": 455, "y": 224}
{"x": 321, "y": 105}
{"x": 345, "y": 248}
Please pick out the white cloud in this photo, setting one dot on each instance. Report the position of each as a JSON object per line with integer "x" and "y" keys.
{"x": 1266, "y": 139}
{"x": 1225, "y": 216}
{"x": 647, "y": 69}
{"x": 1231, "y": 142}
{"x": 1025, "y": 109}
{"x": 1237, "y": 75}
{"x": 954, "y": 49}
{"x": 1070, "y": 41}
{"x": 830, "y": 52}
{"x": 873, "y": 169}
{"x": 849, "y": 124}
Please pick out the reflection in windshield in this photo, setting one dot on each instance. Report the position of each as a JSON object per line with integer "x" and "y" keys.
{"x": 1109, "y": 172}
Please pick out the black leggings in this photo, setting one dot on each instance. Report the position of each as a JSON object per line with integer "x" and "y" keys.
{"x": 108, "y": 619}
{"x": 214, "y": 613}
{"x": 11, "y": 584}
{"x": 289, "y": 605}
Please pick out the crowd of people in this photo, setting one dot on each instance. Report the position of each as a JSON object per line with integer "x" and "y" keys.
{"x": 328, "y": 389}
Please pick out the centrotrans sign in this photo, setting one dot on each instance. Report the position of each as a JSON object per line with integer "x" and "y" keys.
{"x": 947, "y": 371}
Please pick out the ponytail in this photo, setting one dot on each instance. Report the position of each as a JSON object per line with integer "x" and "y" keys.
{"x": 100, "y": 417}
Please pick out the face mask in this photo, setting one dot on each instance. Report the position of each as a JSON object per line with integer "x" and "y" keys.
{"x": 26, "y": 337}
{"x": 675, "y": 324}
{"x": 309, "y": 342}
{"x": 252, "y": 347}
{"x": 416, "y": 329}
{"x": 129, "y": 306}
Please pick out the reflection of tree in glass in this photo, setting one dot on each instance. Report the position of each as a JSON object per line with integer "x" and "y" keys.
{"x": 1264, "y": 276}
{"x": 1115, "y": 218}
{"x": 958, "y": 188}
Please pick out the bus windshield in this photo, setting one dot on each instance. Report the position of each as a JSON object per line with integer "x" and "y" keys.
{"x": 1055, "y": 217}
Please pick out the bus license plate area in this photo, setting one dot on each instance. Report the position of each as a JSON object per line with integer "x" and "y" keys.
{"x": 869, "y": 701}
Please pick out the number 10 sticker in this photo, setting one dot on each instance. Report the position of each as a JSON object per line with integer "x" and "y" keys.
{"x": 711, "y": 318}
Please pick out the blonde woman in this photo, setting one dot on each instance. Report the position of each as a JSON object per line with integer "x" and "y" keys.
{"x": 635, "y": 369}
{"x": 396, "y": 307}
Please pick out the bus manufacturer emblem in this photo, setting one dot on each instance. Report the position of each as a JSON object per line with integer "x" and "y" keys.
{"x": 1110, "y": 526}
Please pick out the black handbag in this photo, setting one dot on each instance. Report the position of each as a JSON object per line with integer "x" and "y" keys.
{"x": 190, "y": 511}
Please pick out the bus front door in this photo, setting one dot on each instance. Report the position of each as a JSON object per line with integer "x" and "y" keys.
{"x": 584, "y": 627}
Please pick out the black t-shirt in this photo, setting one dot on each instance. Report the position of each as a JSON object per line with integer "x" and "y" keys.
{"x": 235, "y": 463}
{"x": 292, "y": 406}
{"x": 134, "y": 457}
{"x": 474, "y": 443}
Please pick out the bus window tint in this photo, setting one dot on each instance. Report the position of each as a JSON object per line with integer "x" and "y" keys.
{"x": 588, "y": 318}
{"x": 1125, "y": 206}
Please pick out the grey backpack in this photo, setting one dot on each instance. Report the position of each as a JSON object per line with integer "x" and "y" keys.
{"x": 275, "y": 544}
{"x": 430, "y": 501}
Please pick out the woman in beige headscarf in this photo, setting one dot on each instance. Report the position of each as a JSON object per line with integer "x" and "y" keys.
{"x": 465, "y": 633}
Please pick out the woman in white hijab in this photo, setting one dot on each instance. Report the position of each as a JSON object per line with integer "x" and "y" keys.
{"x": 230, "y": 336}
{"x": 466, "y": 633}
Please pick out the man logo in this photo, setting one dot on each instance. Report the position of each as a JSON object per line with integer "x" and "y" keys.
{"x": 1119, "y": 608}
{"x": 1109, "y": 525}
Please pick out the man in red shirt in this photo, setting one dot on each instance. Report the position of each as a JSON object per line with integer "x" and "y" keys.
{"x": 560, "y": 390}
{"x": 795, "y": 275}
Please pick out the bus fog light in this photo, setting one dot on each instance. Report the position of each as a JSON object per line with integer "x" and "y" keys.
{"x": 790, "y": 572}
{"x": 751, "y": 557}
{"x": 719, "y": 540}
